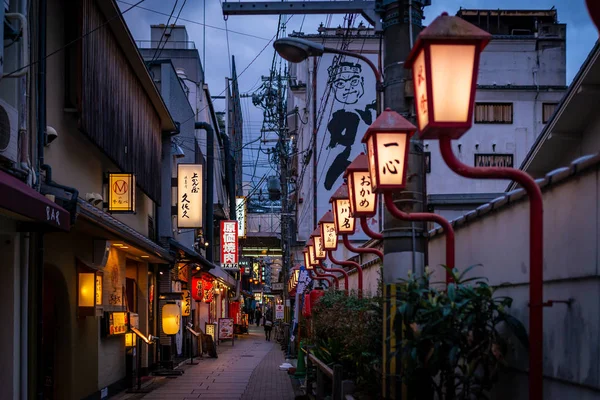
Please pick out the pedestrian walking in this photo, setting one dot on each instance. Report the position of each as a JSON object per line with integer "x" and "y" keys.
{"x": 268, "y": 323}
{"x": 257, "y": 316}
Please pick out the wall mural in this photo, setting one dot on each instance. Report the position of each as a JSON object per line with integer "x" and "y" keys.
{"x": 349, "y": 88}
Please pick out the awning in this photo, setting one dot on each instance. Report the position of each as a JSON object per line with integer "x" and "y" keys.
{"x": 191, "y": 255}
{"x": 17, "y": 197}
{"x": 111, "y": 224}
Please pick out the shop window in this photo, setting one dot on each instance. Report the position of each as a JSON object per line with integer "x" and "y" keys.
{"x": 493, "y": 113}
{"x": 548, "y": 111}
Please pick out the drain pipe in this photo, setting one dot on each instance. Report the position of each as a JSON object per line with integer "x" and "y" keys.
{"x": 41, "y": 141}
{"x": 210, "y": 179}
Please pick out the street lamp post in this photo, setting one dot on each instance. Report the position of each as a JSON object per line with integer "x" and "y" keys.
{"x": 387, "y": 148}
{"x": 445, "y": 63}
{"x": 311, "y": 248}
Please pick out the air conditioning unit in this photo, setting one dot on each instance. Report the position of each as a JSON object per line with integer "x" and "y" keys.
{"x": 9, "y": 132}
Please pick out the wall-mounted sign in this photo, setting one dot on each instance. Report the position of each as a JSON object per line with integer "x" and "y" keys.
{"x": 121, "y": 193}
{"x": 240, "y": 215}
{"x": 183, "y": 272}
{"x": 186, "y": 304}
{"x": 494, "y": 160}
{"x": 258, "y": 297}
{"x": 277, "y": 286}
{"x": 117, "y": 323}
{"x": 189, "y": 196}
{"x": 229, "y": 245}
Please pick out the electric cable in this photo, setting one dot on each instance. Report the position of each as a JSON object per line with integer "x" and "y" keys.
{"x": 175, "y": 23}
{"x": 164, "y": 31}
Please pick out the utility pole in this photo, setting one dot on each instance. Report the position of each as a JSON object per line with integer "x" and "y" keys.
{"x": 405, "y": 245}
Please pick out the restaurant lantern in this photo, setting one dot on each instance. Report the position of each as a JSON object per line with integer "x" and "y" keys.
{"x": 89, "y": 290}
{"x": 363, "y": 200}
{"x": 388, "y": 140}
{"x": 328, "y": 232}
{"x": 343, "y": 220}
{"x": 311, "y": 253}
{"x": 320, "y": 253}
{"x": 171, "y": 318}
{"x": 445, "y": 62}
{"x": 307, "y": 264}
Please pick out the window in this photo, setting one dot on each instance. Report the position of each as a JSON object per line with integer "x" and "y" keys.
{"x": 547, "y": 111}
{"x": 493, "y": 113}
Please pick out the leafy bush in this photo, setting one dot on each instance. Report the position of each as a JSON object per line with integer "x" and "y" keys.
{"x": 452, "y": 342}
{"x": 347, "y": 331}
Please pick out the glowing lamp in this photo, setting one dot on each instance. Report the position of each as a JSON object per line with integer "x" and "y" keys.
{"x": 307, "y": 259}
{"x": 296, "y": 275}
{"x": 130, "y": 339}
{"x": 89, "y": 290}
{"x": 311, "y": 253}
{"x": 388, "y": 139}
{"x": 328, "y": 232}
{"x": 445, "y": 62}
{"x": 343, "y": 220}
{"x": 363, "y": 200}
{"x": 171, "y": 318}
{"x": 320, "y": 253}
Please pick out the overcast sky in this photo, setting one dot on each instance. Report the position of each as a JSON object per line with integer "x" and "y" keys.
{"x": 248, "y": 36}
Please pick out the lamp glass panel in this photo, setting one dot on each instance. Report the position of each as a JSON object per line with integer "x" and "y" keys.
{"x": 311, "y": 255}
{"x": 351, "y": 193}
{"x": 420, "y": 79}
{"x": 365, "y": 197}
{"x": 372, "y": 164}
{"x": 391, "y": 149}
{"x": 306, "y": 259}
{"x": 329, "y": 235}
{"x": 171, "y": 319}
{"x": 451, "y": 81}
{"x": 319, "y": 249}
{"x": 344, "y": 221}
{"x": 98, "y": 290}
{"x": 86, "y": 289}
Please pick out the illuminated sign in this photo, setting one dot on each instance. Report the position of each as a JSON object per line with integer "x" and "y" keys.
{"x": 240, "y": 215}
{"x": 421, "y": 90}
{"x": 197, "y": 293}
{"x": 210, "y": 330}
{"x": 118, "y": 323}
{"x": 121, "y": 193}
{"x": 229, "y": 245}
{"x": 319, "y": 249}
{"x": 186, "y": 304}
{"x": 189, "y": 196}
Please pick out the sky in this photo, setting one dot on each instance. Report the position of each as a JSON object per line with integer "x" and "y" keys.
{"x": 247, "y": 38}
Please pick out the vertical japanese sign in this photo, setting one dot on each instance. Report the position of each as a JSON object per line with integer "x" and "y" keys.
{"x": 349, "y": 88}
{"x": 240, "y": 216}
{"x": 121, "y": 193}
{"x": 186, "y": 304}
{"x": 229, "y": 245}
{"x": 189, "y": 196}
{"x": 365, "y": 199}
{"x": 421, "y": 91}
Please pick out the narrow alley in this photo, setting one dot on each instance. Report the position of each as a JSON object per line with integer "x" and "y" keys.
{"x": 249, "y": 370}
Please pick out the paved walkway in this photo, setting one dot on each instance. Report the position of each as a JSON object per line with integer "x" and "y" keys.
{"x": 249, "y": 371}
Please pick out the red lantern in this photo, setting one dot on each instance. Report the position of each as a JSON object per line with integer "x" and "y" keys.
{"x": 315, "y": 295}
{"x": 207, "y": 290}
{"x": 328, "y": 232}
{"x": 388, "y": 140}
{"x": 344, "y": 222}
{"x": 363, "y": 200}
{"x": 445, "y": 62}
{"x": 196, "y": 290}
{"x": 306, "y": 312}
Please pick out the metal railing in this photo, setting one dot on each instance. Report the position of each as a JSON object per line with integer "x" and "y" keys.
{"x": 170, "y": 44}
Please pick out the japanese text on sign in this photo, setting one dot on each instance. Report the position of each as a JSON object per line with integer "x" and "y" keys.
{"x": 186, "y": 304}
{"x": 343, "y": 213}
{"x": 189, "y": 196}
{"x": 229, "y": 244}
{"x": 240, "y": 216}
{"x": 121, "y": 192}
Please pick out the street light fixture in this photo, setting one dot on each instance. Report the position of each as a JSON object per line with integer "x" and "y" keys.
{"x": 328, "y": 232}
{"x": 343, "y": 220}
{"x": 445, "y": 61}
{"x": 307, "y": 259}
{"x": 320, "y": 253}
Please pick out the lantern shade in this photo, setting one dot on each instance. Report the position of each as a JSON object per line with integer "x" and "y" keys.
{"x": 445, "y": 63}
{"x": 318, "y": 245}
{"x": 363, "y": 201}
{"x": 89, "y": 290}
{"x": 171, "y": 318}
{"x": 130, "y": 339}
{"x": 87, "y": 282}
{"x": 311, "y": 253}
{"x": 344, "y": 222}
{"x": 388, "y": 140}
{"x": 328, "y": 232}
{"x": 306, "y": 259}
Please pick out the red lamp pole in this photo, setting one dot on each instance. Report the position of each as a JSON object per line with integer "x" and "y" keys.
{"x": 536, "y": 254}
{"x": 389, "y": 203}
{"x": 340, "y": 270}
{"x": 361, "y": 250}
{"x": 319, "y": 277}
{"x": 348, "y": 264}
{"x": 336, "y": 281}
{"x": 368, "y": 231}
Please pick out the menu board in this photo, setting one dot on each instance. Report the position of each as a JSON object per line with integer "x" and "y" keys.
{"x": 210, "y": 330}
{"x": 225, "y": 328}
{"x": 118, "y": 323}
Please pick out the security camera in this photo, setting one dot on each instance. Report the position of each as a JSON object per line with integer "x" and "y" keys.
{"x": 51, "y": 135}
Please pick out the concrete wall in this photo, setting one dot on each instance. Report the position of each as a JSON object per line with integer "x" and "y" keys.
{"x": 500, "y": 241}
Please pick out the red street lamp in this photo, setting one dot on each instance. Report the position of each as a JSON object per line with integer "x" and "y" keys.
{"x": 328, "y": 232}
{"x": 311, "y": 253}
{"x": 387, "y": 145}
{"x": 320, "y": 253}
{"x": 363, "y": 200}
{"x": 444, "y": 97}
{"x": 307, "y": 264}
{"x": 452, "y": 35}
{"x": 340, "y": 201}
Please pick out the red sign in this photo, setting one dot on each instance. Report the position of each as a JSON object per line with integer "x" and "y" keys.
{"x": 196, "y": 290}
{"x": 229, "y": 245}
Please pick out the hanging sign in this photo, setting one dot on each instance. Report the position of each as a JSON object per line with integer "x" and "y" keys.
{"x": 229, "y": 245}
{"x": 240, "y": 216}
{"x": 365, "y": 198}
{"x": 121, "y": 193}
{"x": 196, "y": 291}
{"x": 189, "y": 196}
{"x": 183, "y": 272}
{"x": 186, "y": 304}
{"x": 207, "y": 291}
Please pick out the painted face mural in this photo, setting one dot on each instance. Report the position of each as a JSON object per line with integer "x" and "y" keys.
{"x": 347, "y": 82}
